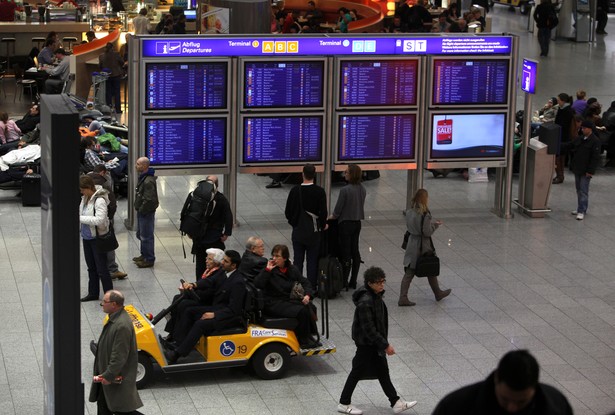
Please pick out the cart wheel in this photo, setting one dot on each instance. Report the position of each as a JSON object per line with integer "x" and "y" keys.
{"x": 271, "y": 361}
{"x": 145, "y": 370}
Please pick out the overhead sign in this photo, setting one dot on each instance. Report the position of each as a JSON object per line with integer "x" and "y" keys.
{"x": 339, "y": 45}
{"x": 528, "y": 76}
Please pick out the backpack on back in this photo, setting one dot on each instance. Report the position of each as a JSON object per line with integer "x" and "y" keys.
{"x": 197, "y": 208}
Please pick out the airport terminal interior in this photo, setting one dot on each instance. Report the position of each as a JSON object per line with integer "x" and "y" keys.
{"x": 546, "y": 285}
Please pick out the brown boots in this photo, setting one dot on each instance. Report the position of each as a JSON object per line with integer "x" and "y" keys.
{"x": 435, "y": 287}
{"x": 403, "y": 292}
{"x": 405, "y": 287}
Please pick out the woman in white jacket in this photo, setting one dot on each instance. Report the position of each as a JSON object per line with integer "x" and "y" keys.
{"x": 93, "y": 216}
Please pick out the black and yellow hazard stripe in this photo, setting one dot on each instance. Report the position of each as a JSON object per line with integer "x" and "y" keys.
{"x": 316, "y": 352}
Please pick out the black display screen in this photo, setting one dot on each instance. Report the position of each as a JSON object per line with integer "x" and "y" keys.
{"x": 186, "y": 141}
{"x": 467, "y": 82}
{"x": 376, "y": 137}
{"x": 282, "y": 139}
{"x": 184, "y": 86}
{"x": 378, "y": 83}
{"x": 283, "y": 84}
{"x": 468, "y": 136}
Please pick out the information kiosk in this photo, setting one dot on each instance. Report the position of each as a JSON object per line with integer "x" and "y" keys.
{"x": 264, "y": 104}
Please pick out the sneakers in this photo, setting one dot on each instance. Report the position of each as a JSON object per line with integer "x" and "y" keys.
{"x": 580, "y": 216}
{"x": 574, "y": 212}
{"x": 273, "y": 185}
{"x": 401, "y": 406}
{"x": 348, "y": 409}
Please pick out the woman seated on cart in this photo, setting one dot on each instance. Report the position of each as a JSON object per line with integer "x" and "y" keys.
{"x": 287, "y": 294}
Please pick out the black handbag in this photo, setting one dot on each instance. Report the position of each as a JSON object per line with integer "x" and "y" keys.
{"x": 107, "y": 242}
{"x": 404, "y": 244}
{"x": 428, "y": 264}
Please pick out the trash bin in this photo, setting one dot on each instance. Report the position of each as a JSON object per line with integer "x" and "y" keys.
{"x": 538, "y": 176}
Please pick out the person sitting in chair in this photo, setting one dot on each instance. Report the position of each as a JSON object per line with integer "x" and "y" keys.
{"x": 58, "y": 75}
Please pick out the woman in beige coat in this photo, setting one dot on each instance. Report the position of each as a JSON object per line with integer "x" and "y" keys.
{"x": 419, "y": 212}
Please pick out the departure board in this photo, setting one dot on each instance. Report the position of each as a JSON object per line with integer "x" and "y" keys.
{"x": 183, "y": 141}
{"x": 282, "y": 140}
{"x": 283, "y": 84}
{"x": 470, "y": 82}
{"x": 186, "y": 86}
{"x": 376, "y": 137}
{"x": 378, "y": 83}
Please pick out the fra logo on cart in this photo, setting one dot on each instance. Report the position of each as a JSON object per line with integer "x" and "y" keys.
{"x": 227, "y": 348}
{"x": 168, "y": 48}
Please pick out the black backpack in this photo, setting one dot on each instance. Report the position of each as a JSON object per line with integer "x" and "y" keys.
{"x": 196, "y": 211}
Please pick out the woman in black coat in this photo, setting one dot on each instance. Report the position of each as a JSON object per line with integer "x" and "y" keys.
{"x": 277, "y": 280}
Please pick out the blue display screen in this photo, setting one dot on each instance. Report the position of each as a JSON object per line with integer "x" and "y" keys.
{"x": 378, "y": 83}
{"x": 376, "y": 137}
{"x": 468, "y": 136}
{"x": 184, "y": 141}
{"x": 283, "y": 84}
{"x": 184, "y": 86}
{"x": 470, "y": 82}
{"x": 282, "y": 139}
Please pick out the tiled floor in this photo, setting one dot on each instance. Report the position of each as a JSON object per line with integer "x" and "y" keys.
{"x": 543, "y": 284}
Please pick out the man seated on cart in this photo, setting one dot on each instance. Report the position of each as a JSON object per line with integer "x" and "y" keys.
{"x": 226, "y": 311}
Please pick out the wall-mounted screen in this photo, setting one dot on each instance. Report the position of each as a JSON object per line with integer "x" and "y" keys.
{"x": 283, "y": 84}
{"x": 378, "y": 82}
{"x": 469, "y": 82}
{"x": 376, "y": 137}
{"x": 186, "y": 86}
{"x": 186, "y": 141}
{"x": 471, "y": 136}
{"x": 282, "y": 139}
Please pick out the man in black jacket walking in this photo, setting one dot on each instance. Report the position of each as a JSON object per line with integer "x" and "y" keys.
{"x": 370, "y": 328}
{"x": 586, "y": 150}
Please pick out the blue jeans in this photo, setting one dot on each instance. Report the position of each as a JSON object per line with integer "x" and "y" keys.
{"x": 112, "y": 91}
{"x": 581, "y": 183}
{"x": 97, "y": 268}
{"x": 145, "y": 233}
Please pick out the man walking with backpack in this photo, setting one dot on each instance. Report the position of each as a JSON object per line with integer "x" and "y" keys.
{"x": 146, "y": 203}
{"x": 217, "y": 227}
{"x": 306, "y": 212}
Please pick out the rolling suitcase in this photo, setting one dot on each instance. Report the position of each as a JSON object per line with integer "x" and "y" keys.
{"x": 31, "y": 190}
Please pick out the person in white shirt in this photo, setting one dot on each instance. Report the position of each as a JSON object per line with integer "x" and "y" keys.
{"x": 141, "y": 23}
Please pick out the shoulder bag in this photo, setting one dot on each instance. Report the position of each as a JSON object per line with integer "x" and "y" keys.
{"x": 427, "y": 264}
{"x": 107, "y": 242}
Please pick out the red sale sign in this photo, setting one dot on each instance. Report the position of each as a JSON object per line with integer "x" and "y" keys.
{"x": 444, "y": 132}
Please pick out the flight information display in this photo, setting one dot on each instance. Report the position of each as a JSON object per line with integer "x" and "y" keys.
{"x": 470, "y": 82}
{"x": 183, "y": 141}
{"x": 378, "y": 82}
{"x": 468, "y": 136}
{"x": 376, "y": 137}
{"x": 282, "y": 140}
{"x": 283, "y": 84}
{"x": 186, "y": 86}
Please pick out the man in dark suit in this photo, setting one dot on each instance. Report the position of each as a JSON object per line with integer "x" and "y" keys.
{"x": 253, "y": 260}
{"x": 228, "y": 290}
{"x": 586, "y": 149}
{"x": 114, "y": 385}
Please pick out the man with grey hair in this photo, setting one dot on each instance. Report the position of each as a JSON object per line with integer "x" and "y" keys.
{"x": 114, "y": 384}
{"x": 253, "y": 260}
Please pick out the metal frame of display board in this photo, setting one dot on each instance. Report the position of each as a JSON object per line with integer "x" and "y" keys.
{"x": 143, "y": 49}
